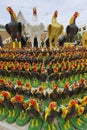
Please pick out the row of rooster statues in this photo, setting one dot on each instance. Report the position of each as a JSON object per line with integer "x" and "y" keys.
{"x": 45, "y": 87}
{"x": 70, "y": 115}
{"x": 55, "y": 29}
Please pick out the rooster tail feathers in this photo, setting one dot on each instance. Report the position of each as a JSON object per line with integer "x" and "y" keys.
{"x": 20, "y": 27}
{"x": 68, "y": 29}
{"x": 7, "y": 29}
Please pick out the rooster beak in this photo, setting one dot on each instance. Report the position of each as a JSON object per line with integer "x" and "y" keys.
{"x": 7, "y": 9}
{"x": 78, "y": 14}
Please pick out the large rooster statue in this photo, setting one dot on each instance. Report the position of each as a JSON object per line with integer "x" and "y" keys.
{"x": 54, "y": 30}
{"x": 35, "y": 29}
{"x": 14, "y": 28}
{"x": 72, "y": 29}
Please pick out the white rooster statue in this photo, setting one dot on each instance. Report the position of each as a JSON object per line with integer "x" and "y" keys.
{"x": 35, "y": 29}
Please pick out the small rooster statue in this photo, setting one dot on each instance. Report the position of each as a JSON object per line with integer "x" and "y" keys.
{"x": 7, "y": 106}
{"x": 34, "y": 112}
{"x": 21, "y": 106}
{"x": 50, "y": 115}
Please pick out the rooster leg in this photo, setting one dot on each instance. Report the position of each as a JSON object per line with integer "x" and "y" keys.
{"x": 13, "y": 44}
{"x": 36, "y": 122}
{"x": 56, "y": 43}
{"x": 8, "y": 78}
{"x": 79, "y": 121}
{"x": 9, "y": 113}
{"x": 32, "y": 123}
{"x": 44, "y": 84}
{"x": 21, "y": 115}
{"x": 53, "y": 127}
{"x": 19, "y": 44}
{"x": 0, "y": 110}
{"x": 64, "y": 101}
{"x": 34, "y": 81}
{"x": 49, "y": 128}
{"x": 13, "y": 112}
{"x": 68, "y": 123}
{"x": 50, "y": 41}
{"x": 24, "y": 116}
{"x": 42, "y": 103}
{"x": 65, "y": 126}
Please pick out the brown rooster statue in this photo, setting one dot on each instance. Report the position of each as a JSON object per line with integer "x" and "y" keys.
{"x": 72, "y": 29}
{"x": 54, "y": 30}
{"x": 14, "y": 28}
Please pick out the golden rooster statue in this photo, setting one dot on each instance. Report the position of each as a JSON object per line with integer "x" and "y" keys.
{"x": 54, "y": 30}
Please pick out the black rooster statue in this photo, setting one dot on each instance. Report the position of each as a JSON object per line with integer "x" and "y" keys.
{"x": 14, "y": 28}
{"x": 72, "y": 29}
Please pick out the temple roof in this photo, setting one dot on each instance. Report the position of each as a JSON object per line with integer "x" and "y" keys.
{"x": 21, "y": 18}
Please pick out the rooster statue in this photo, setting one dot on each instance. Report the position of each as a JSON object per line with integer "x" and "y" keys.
{"x": 72, "y": 29}
{"x": 7, "y": 107}
{"x": 34, "y": 111}
{"x": 54, "y": 30}
{"x": 50, "y": 115}
{"x": 20, "y": 106}
{"x": 14, "y": 28}
{"x": 9, "y": 111}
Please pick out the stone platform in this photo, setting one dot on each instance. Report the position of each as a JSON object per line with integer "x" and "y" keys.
{"x": 5, "y": 126}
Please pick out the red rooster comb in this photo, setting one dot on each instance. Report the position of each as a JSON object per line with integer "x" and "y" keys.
{"x": 55, "y": 86}
{"x": 52, "y": 105}
{"x": 73, "y": 102}
{"x": 76, "y": 14}
{"x": 9, "y": 9}
{"x": 34, "y": 11}
{"x": 6, "y": 94}
{"x": 33, "y": 102}
{"x": 28, "y": 85}
{"x": 55, "y": 13}
{"x": 19, "y": 83}
{"x": 40, "y": 89}
{"x": 19, "y": 98}
{"x": 82, "y": 80}
{"x": 66, "y": 85}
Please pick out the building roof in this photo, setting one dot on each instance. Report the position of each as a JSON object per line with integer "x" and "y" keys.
{"x": 21, "y": 18}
